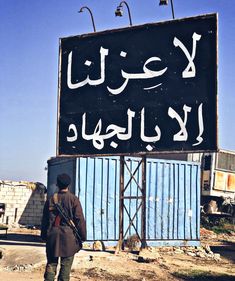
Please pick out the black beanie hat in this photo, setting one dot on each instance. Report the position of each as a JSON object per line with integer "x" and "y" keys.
{"x": 63, "y": 181}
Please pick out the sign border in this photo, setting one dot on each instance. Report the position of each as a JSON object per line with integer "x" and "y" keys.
{"x": 145, "y": 153}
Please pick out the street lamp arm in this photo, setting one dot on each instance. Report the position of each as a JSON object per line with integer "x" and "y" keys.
{"x": 172, "y": 9}
{"x": 119, "y": 10}
{"x": 90, "y": 12}
{"x": 128, "y": 9}
{"x": 165, "y": 2}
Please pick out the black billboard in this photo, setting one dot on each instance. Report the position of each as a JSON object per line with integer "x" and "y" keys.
{"x": 142, "y": 89}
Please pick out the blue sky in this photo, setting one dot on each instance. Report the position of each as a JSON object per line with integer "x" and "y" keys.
{"x": 29, "y": 45}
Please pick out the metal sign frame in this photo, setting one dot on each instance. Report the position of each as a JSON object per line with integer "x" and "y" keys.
{"x": 184, "y": 99}
{"x": 141, "y": 205}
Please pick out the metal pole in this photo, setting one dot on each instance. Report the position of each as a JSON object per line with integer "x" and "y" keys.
{"x": 172, "y": 9}
{"x": 121, "y": 206}
{"x": 128, "y": 9}
{"x": 90, "y": 12}
{"x": 165, "y": 2}
{"x": 129, "y": 13}
{"x": 143, "y": 210}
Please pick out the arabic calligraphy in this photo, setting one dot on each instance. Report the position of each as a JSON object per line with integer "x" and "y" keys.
{"x": 122, "y": 134}
{"x": 112, "y": 130}
{"x": 103, "y": 53}
{"x": 147, "y": 89}
{"x": 189, "y": 71}
{"x": 145, "y": 75}
{"x": 182, "y": 135}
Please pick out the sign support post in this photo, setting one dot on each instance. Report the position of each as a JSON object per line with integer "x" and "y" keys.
{"x": 138, "y": 98}
{"x": 121, "y": 206}
{"x": 143, "y": 209}
{"x": 141, "y": 199}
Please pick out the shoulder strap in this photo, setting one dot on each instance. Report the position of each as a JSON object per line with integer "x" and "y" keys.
{"x": 53, "y": 200}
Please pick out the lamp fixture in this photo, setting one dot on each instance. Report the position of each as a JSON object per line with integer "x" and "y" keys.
{"x": 119, "y": 11}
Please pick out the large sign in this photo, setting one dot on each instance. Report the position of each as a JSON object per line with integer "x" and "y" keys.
{"x": 142, "y": 89}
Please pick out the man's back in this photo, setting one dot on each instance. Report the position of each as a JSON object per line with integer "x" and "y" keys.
{"x": 61, "y": 241}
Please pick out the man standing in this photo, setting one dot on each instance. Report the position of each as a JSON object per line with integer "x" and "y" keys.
{"x": 59, "y": 236}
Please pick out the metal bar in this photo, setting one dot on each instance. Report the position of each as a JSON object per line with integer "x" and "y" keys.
{"x": 172, "y": 9}
{"x": 115, "y": 201}
{"x": 155, "y": 204}
{"x": 101, "y": 196}
{"x": 121, "y": 206}
{"x": 130, "y": 194}
{"x": 132, "y": 197}
{"x": 131, "y": 221}
{"x": 107, "y": 200}
{"x": 93, "y": 200}
{"x": 143, "y": 210}
{"x": 128, "y": 9}
{"x": 178, "y": 205}
{"x": 92, "y": 18}
{"x": 149, "y": 193}
{"x": 169, "y": 204}
{"x": 162, "y": 196}
{"x": 174, "y": 187}
{"x": 86, "y": 181}
{"x": 58, "y": 101}
{"x": 190, "y": 200}
{"x": 185, "y": 201}
{"x": 137, "y": 196}
{"x": 141, "y": 206}
{"x": 132, "y": 176}
{"x": 197, "y": 208}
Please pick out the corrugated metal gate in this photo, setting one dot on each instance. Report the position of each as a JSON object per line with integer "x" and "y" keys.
{"x": 172, "y": 212}
{"x": 98, "y": 189}
{"x": 173, "y": 202}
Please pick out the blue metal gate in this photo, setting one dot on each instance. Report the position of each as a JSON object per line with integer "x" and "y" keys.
{"x": 172, "y": 199}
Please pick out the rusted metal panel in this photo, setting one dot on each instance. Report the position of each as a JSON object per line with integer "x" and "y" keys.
{"x": 231, "y": 182}
{"x": 224, "y": 181}
{"x": 220, "y": 180}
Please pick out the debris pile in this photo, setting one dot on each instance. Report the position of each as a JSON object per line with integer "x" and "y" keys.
{"x": 19, "y": 267}
{"x": 155, "y": 254}
{"x": 207, "y": 234}
{"x": 149, "y": 255}
{"x": 204, "y": 252}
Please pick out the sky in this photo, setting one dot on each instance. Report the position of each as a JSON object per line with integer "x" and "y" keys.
{"x": 29, "y": 49}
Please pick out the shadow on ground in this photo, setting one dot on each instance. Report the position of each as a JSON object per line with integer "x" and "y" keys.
{"x": 205, "y": 277}
{"x": 21, "y": 239}
{"x": 226, "y": 250}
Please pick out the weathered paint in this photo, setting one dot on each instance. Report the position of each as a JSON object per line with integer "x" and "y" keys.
{"x": 172, "y": 199}
{"x": 224, "y": 181}
{"x": 98, "y": 189}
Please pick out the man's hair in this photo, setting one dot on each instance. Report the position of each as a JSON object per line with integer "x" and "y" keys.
{"x": 63, "y": 181}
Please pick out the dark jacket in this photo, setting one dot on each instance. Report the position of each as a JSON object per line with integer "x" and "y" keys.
{"x": 60, "y": 240}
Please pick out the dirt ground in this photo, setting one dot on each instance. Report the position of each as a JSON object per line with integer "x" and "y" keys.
{"x": 22, "y": 257}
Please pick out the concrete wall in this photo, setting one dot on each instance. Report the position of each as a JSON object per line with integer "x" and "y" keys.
{"x": 24, "y": 202}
